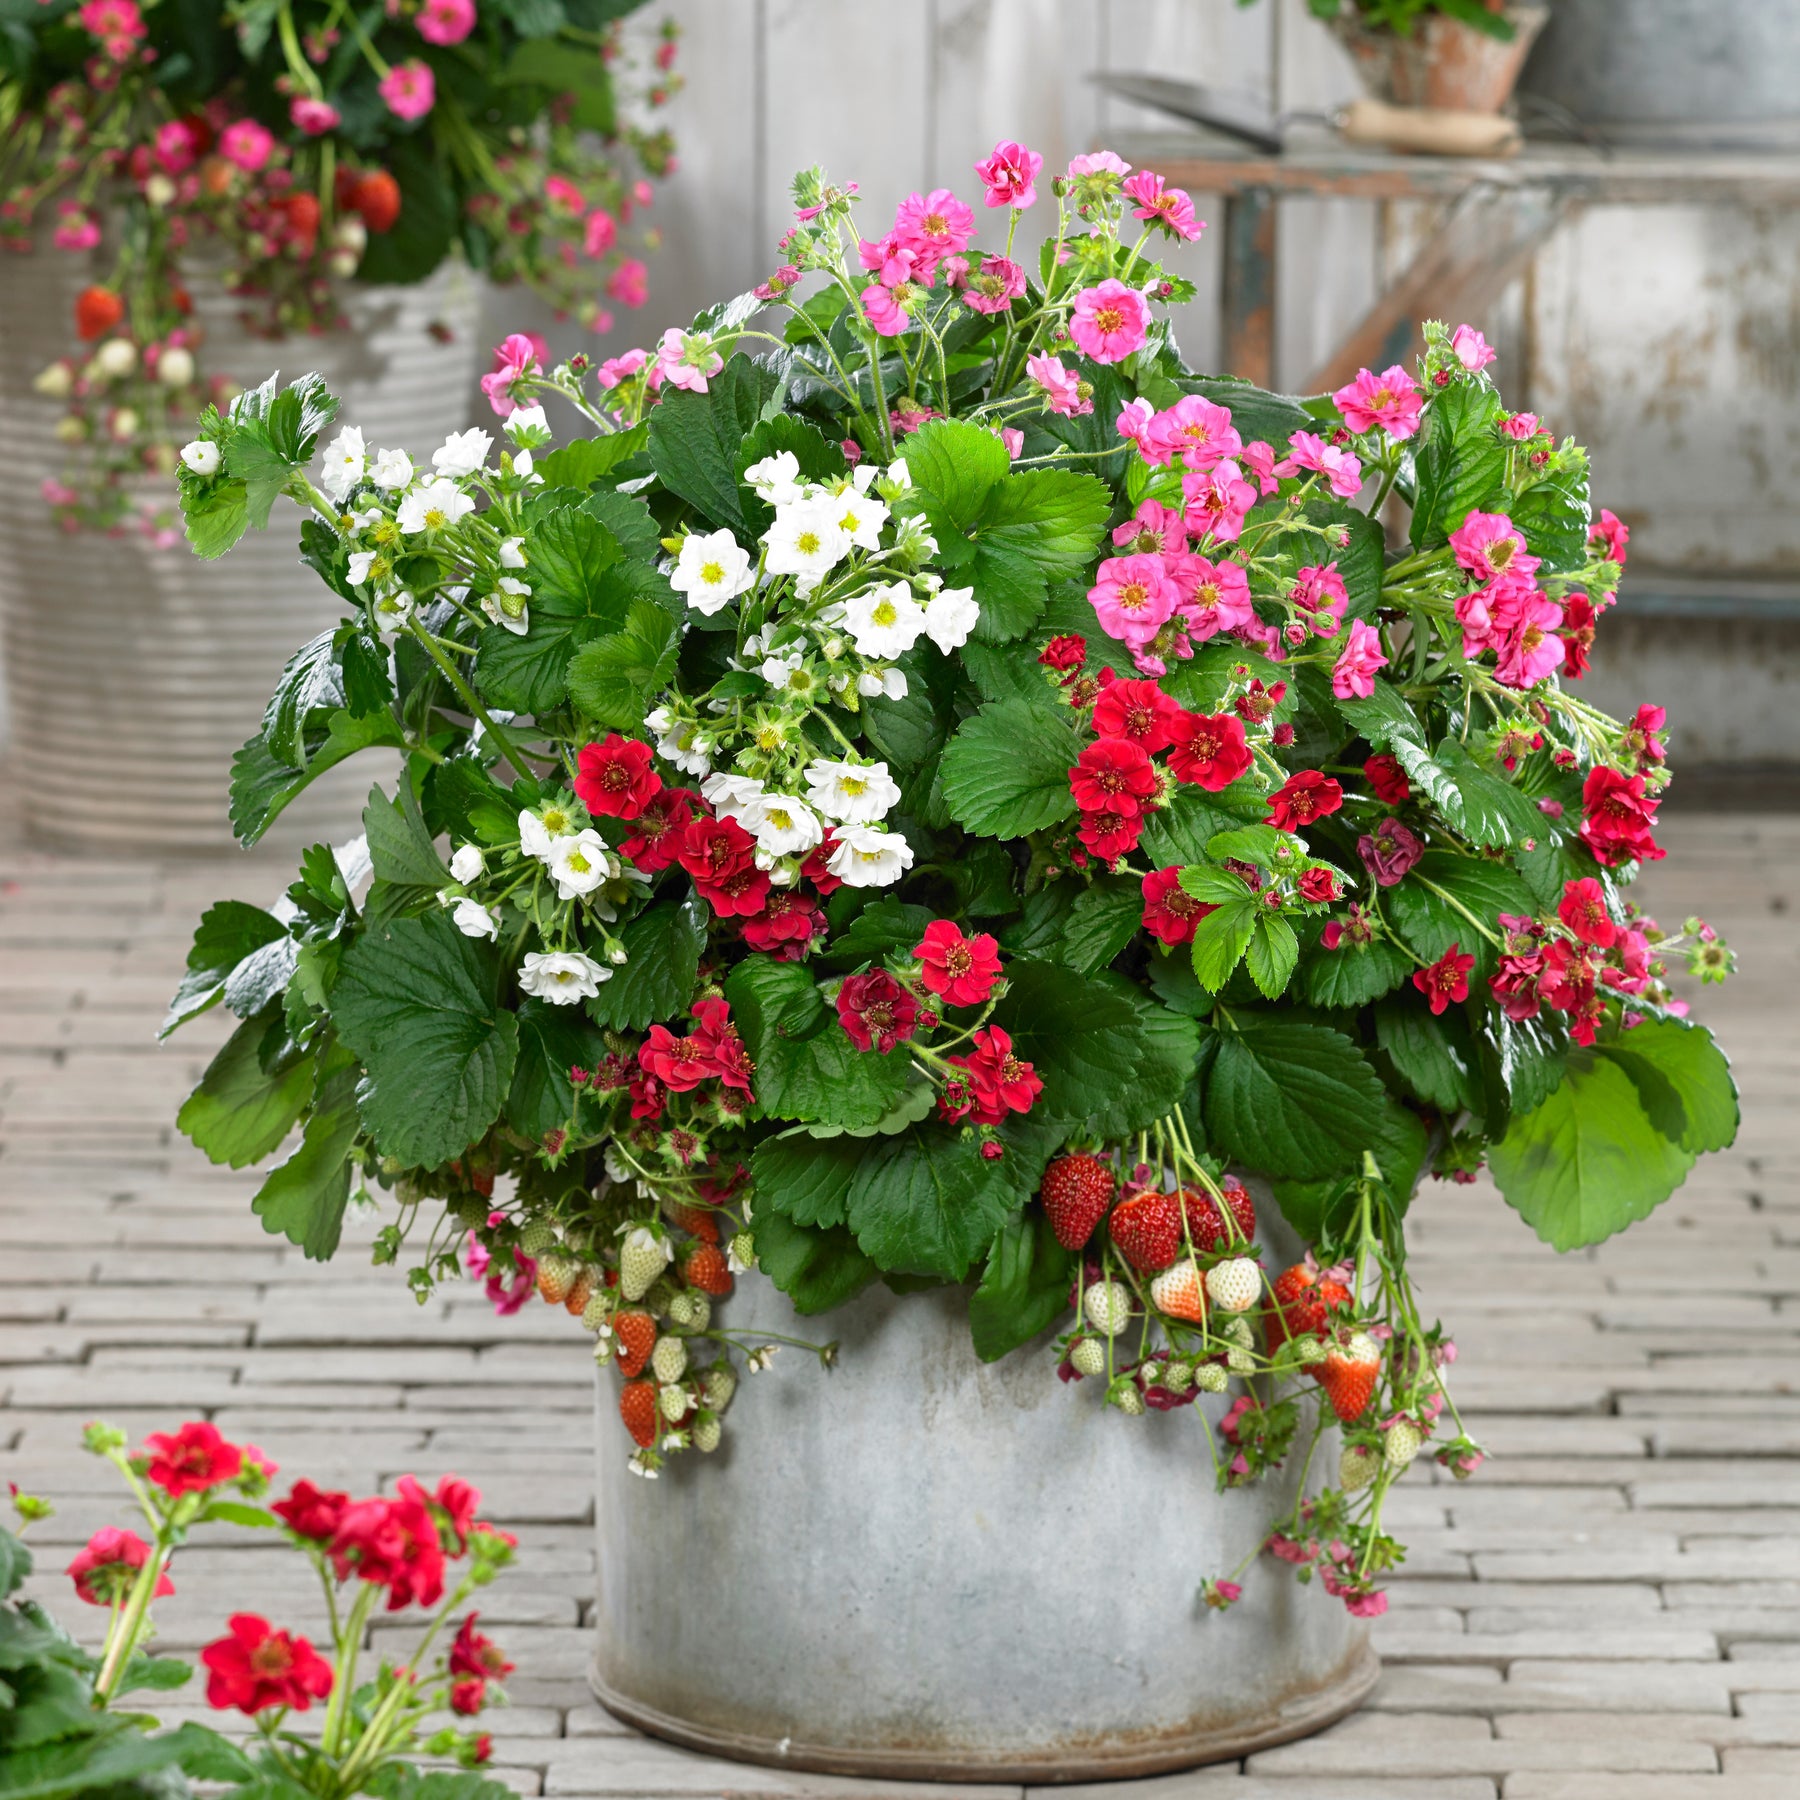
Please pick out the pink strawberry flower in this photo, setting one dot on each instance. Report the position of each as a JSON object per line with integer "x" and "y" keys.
{"x": 1258, "y": 461}
{"x": 1009, "y": 173}
{"x": 1490, "y": 545}
{"x": 1109, "y": 321}
{"x": 1197, "y": 430}
{"x": 933, "y": 226}
{"x": 1061, "y": 387}
{"x": 515, "y": 358}
{"x": 247, "y": 144}
{"x": 600, "y": 232}
{"x": 629, "y": 283}
{"x": 409, "y": 89}
{"x": 564, "y": 195}
{"x": 1097, "y": 163}
{"x": 446, "y": 21}
{"x": 1353, "y": 674}
{"x": 622, "y": 367}
{"x": 1215, "y": 504}
{"x": 889, "y": 309}
{"x": 1216, "y": 597}
{"x": 1320, "y": 597}
{"x": 314, "y": 117}
{"x": 1610, "y": 535}
{"x": 76, "y": 227}
{"x": 1391, "y": 400}
{"x": 1133, "y": 424}
{"x": 1525, "y": 621}
{"x": 998, "y": 284}
{"x": 687, "y": 359}
{"x": 174, "y": 146}
{"x": 1471, "y": 349}
{"x": 1133, "y": 597}
{"x": 1520, "y": 426}
{"x": 1169, "y": 209}
{"x": 1308, "y": 451}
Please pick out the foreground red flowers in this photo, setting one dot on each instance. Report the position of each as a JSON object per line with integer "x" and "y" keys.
{"x": 257, "y": 1667}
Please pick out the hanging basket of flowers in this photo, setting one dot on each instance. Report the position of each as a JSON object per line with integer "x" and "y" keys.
{"x": 939, "y": 841}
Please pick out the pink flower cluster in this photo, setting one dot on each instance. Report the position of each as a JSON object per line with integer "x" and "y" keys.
{"x": 1507, "y": 612}
{"x": 1572, "y": 973}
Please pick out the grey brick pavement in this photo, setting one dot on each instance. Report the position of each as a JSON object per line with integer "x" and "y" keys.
{"x": 1612, "y": 1609}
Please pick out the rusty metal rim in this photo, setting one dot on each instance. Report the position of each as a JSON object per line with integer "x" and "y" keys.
{"x": 1301, "y": 1717}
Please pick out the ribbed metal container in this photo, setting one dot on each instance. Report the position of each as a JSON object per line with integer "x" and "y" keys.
{"x": 133, "y": 673}
{"x": 919, "y": 1566}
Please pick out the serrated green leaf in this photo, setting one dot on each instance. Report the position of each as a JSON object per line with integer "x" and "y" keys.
{"x": 884, "y": 926}
{"x": 1489, "y": 811}
{"x": 1683, "y": 1080}
{"x": 1354, "y": 974}
{"x": 262, "y": 785}
{"x": 1554, "y": 514}
{"x": 1459, "y": 461}
{"x": 1448, "y": 899}
{"x": 1024, "y": 1287}
{"x": 1081, "y": 1036}
{"x": 816, "y": 1267}
{"x": 311, "y": 682}
{"x": 662, "y": 948}
{"x": 552, "y": 1040}
{"x": 1271, "y": 954}
{"x": 418, "y": 1004}
{"x": 1162, "y": 1067}
{"x": 929, "y": 1204}
{"x": 1103, "y": 920}
{"x": 401, "y": 850}
{"x": 694, "y": 438}
{"x": 807, "y": 1179}
{"x": 304, "y": 1199}
{"x": 1221, "y": 938}
{"x": 1433, "y": 1054}
{"x": 614, "y": 679}
{"x": 1006, "y": 772}
{"x": 584, "y": 461}
{"x": 215, "y": 512}
{"x": 1383, "y": 716}
{"x": 229, "y": 931}
{"x": 1180, "y": 832}
{"x": 240, "y": 1113}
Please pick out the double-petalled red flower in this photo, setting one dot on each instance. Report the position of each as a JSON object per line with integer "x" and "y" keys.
{"x": 998, "y": 1081}
{"x": 615, "y": 778}
{"x": 1620, "y": 816}
{"x": 1113, "y": 775}
{"x": 1069, "y": 651}
{"x": 1388, "y": 779}
{"x": 1321, "y": 886}
{"x": 393, "y": 1544}
{"x": 1583, "y": 909}
{"x": 1139, "y": 711}
{"x": 875, "y": 1011}
{"x": 1170, "y": 913}
{"x": 191, "y": 1460}
{"x": 960, "y": 970}
{"x": 680, "y": 1064}
{"x": 1302, "y": 798}
{"x": 720, "y": 855}
{"x": 257, "y": 1667}
{"x": 788, "y": 927}
{"x": 1110, "y": 835}
{"x": 105, "y": 1567}
{"x": 656, "y": 842}
{"x": 1446, "y": 981}
{"x": 311, "y": 1512}
{"x": 475, "y": 1660}
{"x": 714, "y": 1031}
{"x": 1208, "y": 749}
{"x": 1570, "y": 981}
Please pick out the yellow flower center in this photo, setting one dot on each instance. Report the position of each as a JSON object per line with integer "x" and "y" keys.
{"x": 807, "y": 543}
{"x": 712, "y": 573}
{"x": 884, "y": 613}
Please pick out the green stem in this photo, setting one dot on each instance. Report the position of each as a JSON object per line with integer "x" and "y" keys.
{"x": 466, "y": 694}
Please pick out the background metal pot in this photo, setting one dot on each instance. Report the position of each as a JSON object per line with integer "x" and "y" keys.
{"x": 1443, "y": 63}
{"x": 1660, "y": 71}
{"x": 133, "y": 673}
{"x": 917, "y": 1565}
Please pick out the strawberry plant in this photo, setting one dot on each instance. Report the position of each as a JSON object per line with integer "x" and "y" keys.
{"x": 925, "y": 787}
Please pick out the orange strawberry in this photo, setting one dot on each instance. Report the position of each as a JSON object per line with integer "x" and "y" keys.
{"x": 636, "y": 1332}
{"x": 1304, "y": 1302}
{"x": 702, "y": 1221}
{"x": 706, "y": 1268}
{"x": 556, "y": 1277}
{"x": 1147, "y": 1229}
{"x": 1179, "y": 1292}
{"x": 1076, "y": 1191}
{"x": 580, "y": 1293}
{"x": 1348, "y": 1375}
{"x": 638, "y": 1408}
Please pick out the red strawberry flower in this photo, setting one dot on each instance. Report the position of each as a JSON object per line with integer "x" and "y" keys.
{"x": 714, "y": 1030}
{"x": 875, "y": 1011}
{"x": 257, "y": 1667}
{"x": 1171, "y": 913}
{"x": 1208, "y": 749}
{"x": 1139, "y": 711}
{"x": 191, "y": 1460}
{"x": 105, "y": 1567}
{"x": 1447, "y": 979}
{"x": 1583, "y": 909}
{"x": 1111, "y": 835}
{"x": 999, "y": 1082}
{"x": 311, "y": 1512}
{"x": 392, "y": 1544}
{"x": 960, "y": 970}
{"x": 1302, "y": 798}
{"x": 1388, "y": 779}
{"x": 1619, "y": 818}
{"x": 1113, "y": 775}
{"x": 720, "y": 855}
{"x": 656, "y": 842}
{"x": 615, "y": 778}
{"x": 787, "y": 927}
{"x": 1320, "y": 886}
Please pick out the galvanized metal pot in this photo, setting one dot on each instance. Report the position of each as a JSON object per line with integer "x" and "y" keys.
{"x": 919, "y": 1566}
{"x": 134, "y": 673}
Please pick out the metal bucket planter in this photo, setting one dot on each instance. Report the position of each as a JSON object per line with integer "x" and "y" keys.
{"x": 918, "y": 1566}
{"x": 1442, "y": 63}
{"x": 134, "y": 673}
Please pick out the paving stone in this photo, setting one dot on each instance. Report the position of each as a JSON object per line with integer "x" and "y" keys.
{"x": 1647, "y": 1787}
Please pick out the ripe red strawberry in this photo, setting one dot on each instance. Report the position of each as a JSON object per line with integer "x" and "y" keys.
{"x": 1076, "y": 1192}
{"x": 1180, "y": 1292}
{"x": 1348, "y": 1375}
{"x": 702, "y": 1221}
{"x": 636, "y": 1333}
{"x": 639, "y": 1409}
{"x": 1206, "y": 1225}
{"x": 1147, "y": 1229}
{"x": 1303, "y": 1304}
{"x": 706, "y": 1268}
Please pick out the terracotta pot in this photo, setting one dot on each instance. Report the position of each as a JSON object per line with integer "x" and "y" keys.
{"x": 135, "y": 674}
{"x": 1444, "y": 63}
{"x": 925, "y": 1567}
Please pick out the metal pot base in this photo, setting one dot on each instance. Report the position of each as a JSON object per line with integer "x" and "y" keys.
{"x": 1301, "y": 1717}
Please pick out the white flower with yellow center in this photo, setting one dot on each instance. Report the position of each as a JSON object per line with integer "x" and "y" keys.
{"x": 538, "y": 831}
{"x": 391, "y": 471}
{"x": 579, "y": 863}
{"x": 712, "y": 571}
{"x": 776, "y": 479}
{"x": 345, "y": 463}
{"x": 678, "y": 742}
{"x": 781, "y": 825}
{"x": 884, "y": 621}
{"x": 852, "y": 793}
{"x": 434, "y": 507}
{"x": 806, "y": 540}
{"x": 561, "y": 976}
{"x": 861, "y": 519}
{"x": 462, "y": 452}
{"x": 950, "y": 615}
{"x": 391, "y": 610}
{"x": 728, "y": 794}
{"x": 865, "y": 857}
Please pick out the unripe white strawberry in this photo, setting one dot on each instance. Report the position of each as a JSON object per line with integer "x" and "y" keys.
{"x": 538, "y": 1238}
{"x": 1307, "y": 1349}
{"x": 1108, "y": 1307}
{"x": 1210, "y": 1378}
{"x": 743, "y": 1253}
{"x": 597, "y": 1311}
{"x": 1237, "y": 1331}
{"x": 1239, "y": 1361}
{"x": 1401, "y": 1442}
{"x": 669, "y": 1359}
{"x": 691, "y": 1309}
{"x": 707, "y": 1432}
{"x": 642, "y": 1258}
{"x": 1149, "y": 1373}
{"x": 718, "y": 1384}
{"x": 1178, "y": 1377}
{"x": 1127, "y": 1399}
{"x": 1357, "y": 1467}
{"x": 673, "y": 1401}
{"x": 1088, "y": 1357}
{"x": 1235, "y": 1285}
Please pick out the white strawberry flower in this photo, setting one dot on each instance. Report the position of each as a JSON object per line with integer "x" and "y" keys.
{"x": 561, "y": 976}
{"x": 776, "y": 479}
{"x": 884, "y": 621}
{"x": 861, "y": 519}
{"x": 678, "y": 742}
{"x": 391, "y": 471}
{"x": 525, "y": 470}
{"x": 950, "y": 615}
{"x": 579, "y": 863}
{"x": 474, "y": 920}
{"x": 528, "y": 425}
{"x": 468, "y": 864}
{"x": 781, "y": 825}
{"x": 345, "y": 463}
{"x": 361, "y": 562}
{"x": 755, "y": 1361}
{"x": 640, "y": 1465}
{"x": 712, "y": 570}
{"x": 895, "y": 479}
{"x": 462, "y": 452}
{"x": 729, "y": 794}
{"x": 893, "y": 685}
{"x": 506, "y": 605}
{"x": 806, "y": 540}
{"x": 538, "y": 831}
{"x": 434, "y": 507}
{"x": 779, "y": 671}
{"x": 392, "y": 610}
{"x": 512, "y": 553}
{"x": 851, "y": 793}
{"x": 865, "y": 857}
{"x": 201, "y": 455}
{"x": 862, "y": 477}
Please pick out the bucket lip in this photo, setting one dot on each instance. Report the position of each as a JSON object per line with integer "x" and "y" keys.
{"x": 1299, "y": 1717}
